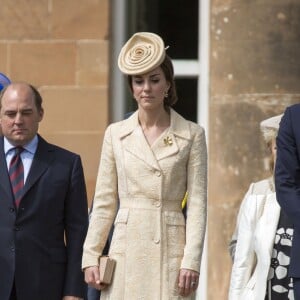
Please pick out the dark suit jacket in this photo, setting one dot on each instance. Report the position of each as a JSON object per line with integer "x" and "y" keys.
{"x": 287, "y": 177}
{"x": 41, "y": 242}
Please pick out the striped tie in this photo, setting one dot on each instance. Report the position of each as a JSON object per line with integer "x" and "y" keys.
{"x": 16, "y": 174}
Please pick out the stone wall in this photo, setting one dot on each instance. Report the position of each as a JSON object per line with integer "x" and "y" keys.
{"x": 255, "y": 72}
{"x": 62, "y": 48}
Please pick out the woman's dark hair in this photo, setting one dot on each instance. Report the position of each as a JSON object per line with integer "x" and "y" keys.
{"x": 167, "y": 68}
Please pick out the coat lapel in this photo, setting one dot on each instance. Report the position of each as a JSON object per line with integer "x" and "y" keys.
{"x": 268, "y": 223}
{"x": 271, "y": 221}
{"x": 165, "y": 146}
{"x": 168, "y": 143}
{"x": 135, "y": 142}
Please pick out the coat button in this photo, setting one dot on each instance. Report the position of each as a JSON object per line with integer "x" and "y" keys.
{"x": 12, "y": 248}
{"x": 17, "y": 228}
{"x": 157, "y": 204}
{"x": 11, "y": 209}
{"x": 157, "y": 241}
{"x": 158, "y": 173}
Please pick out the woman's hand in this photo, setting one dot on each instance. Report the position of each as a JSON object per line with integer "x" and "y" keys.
{"x": 92, "y": 278}
{"x": 187, "y": 282}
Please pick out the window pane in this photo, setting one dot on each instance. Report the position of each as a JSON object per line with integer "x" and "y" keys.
{"x": 176, "y": 21}
{"x": 187, "y": 98}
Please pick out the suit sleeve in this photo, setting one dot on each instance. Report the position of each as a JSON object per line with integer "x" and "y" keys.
{"x": 287, "y": 169}
{"x": 196, "y": 202}
{"x": 76, "y": 222}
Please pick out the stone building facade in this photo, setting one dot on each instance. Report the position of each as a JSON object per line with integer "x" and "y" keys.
{"x": 62, "y": 47}
{"x": 255, "y": 73}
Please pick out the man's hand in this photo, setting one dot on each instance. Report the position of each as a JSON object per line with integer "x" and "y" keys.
{"x": 71, "y": 298}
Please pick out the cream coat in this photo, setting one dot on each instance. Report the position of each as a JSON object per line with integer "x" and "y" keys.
{"x": 151, "y": 239}
{"x": 258, "y": 220}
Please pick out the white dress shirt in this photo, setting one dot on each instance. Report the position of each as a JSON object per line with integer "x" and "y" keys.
{"x": 26, "y": 156}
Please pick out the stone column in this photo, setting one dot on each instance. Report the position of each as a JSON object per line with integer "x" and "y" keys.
{"x": 255, "y": 72}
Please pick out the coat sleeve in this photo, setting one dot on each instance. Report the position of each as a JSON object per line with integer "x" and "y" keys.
{"x": 244, "y": 259}
{"x": 76, "y": 222}
{"x": 287, "y": 168}
{"x": 196, "y": 202}
{"x": 104, "y": 205}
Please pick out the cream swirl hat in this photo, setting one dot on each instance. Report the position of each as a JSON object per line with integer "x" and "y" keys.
{"x": 143, "y": 52}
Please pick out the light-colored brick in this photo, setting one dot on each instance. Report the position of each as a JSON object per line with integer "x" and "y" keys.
{"x": 24, "y": 19}
{"x": 92, "y": 66}
{"x": 3, "y": 58}
{"x": 69, "y": 110}
{"x": 43, "y": 63}
{"x": 76, "y": 19}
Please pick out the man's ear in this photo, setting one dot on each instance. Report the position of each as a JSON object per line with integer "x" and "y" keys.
{"x": 41, "y": 114}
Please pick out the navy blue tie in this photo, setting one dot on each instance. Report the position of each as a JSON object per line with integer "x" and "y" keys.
{"x": 16, "y": 175}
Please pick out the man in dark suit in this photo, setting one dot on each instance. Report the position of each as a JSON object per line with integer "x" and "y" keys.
{"x": 42, "y": 229}
{"x": 287, "y": 182}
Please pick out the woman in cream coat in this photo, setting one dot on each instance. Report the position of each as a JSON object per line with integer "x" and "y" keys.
{"x": 256, "y": 232}
{"x": 148, "y": 162}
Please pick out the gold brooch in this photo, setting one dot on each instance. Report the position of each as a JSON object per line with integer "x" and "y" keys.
{"x": 168, "y": 141}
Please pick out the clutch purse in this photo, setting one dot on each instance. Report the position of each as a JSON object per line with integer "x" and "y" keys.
{"x": 106, "y": 269}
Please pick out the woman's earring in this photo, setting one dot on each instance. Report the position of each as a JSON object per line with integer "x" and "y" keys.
{"x": 166, "y": 94}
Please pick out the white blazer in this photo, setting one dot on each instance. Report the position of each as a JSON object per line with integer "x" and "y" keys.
{"x": 258, "y": 220}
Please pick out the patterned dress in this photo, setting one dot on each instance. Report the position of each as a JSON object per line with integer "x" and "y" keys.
{"x": 280, "y": 285}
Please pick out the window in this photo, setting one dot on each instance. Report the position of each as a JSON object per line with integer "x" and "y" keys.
{"x": 177, "y": 24}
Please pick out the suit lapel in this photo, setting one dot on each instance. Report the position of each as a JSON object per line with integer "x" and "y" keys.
{"x": 41, "y": 161}
{"x": 4, "y": 177}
